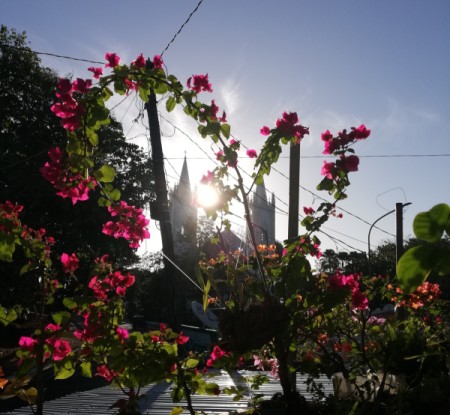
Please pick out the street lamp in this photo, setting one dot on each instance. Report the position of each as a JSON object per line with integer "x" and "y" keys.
{"x": 373, "y": 224}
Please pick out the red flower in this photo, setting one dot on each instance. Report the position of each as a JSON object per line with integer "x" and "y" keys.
{"x": 139, "y": 62}
{"x": 328, "y": 170}
{"x": 265, "y": 130}
{"x": 199, "y": 83}
{"x": 350, "y": 163}
{"x": 308, "y": 210}
{"x": 181, "y": 339}
{"x": 61, "y": 348}
{"x": 157, "y": 62}
{"x": 27, "y": 343}
{"x": 361, "y": 132}
{"x": 122, "y": 334}
{"x": 326, "y": 136}
{"x": 207, "y": 178}
{"x": 81, "y": 85}
{"x": 69, "y": 263}
{"x": 359, "y": 300}
{"x": 287, "y": 125}
{"x": 103, "y": 371}
{"x": 252, "y": 153}
{"x": 96, "y": 71}
{"x": 113, "y": 60}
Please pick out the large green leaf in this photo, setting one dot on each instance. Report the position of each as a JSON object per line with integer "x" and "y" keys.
{"x": 7, "y": 248}
{"x": 170, "y": 104}
{"x": 86, "y": 369}
{"x": 414, "y": 267}
{"x": 430, "y": 225}
{"x": 105, "y": 174}
{"x": 7, "y": 317}
{"x": 64, "y": 369}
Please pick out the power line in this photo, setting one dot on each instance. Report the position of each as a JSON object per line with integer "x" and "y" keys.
{"x": 51, "y": 54}
{"x": 182, "y": 26}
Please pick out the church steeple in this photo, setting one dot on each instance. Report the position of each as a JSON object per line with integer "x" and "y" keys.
{"x": 184, "y": 177}
{"x": 183, "y": 212}
{"x": 263, "y": 215}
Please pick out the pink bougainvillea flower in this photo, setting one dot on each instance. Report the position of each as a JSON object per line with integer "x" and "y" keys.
{"x": 52, "y": 328}
{"x": 287, "y": 125}
{"x": 328, "y": 170}
{"x": 181, "y": 339}
{"x": 207, "y": 178}
{"x": 81, "y": 85}
{"x": 219, "y": 155}
{"x": 96, "y": 71}
{"x": 122, "y": 334}
{"x": 69, "y": 263}
{"x": 265, "y": 130}
{"x": 198, "y": 83}
{"x": 326, "y": 136}
{"x": 131, "y": 85}
{"x": 113, "y": 60}
{"x": 157, "y": 62}
{"x": 252, "y": 153}
{"x": 139, "y": 62}
{"x": 27, "y": 343}
{"x": 359, "y": 300}
{"x": 103, "y": 371}
{"x": 61, "y": 348}
{"x": 130, "y": 225}
{"x": 350, "y": 163}
{"x": 308, "y": 210}
{"x": 361, "y": 132}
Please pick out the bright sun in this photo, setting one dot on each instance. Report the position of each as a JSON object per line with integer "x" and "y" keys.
{"x": 207, "y": 196}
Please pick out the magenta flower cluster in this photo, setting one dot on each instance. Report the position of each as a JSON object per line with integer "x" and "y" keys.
{"x": 131, "y": 224}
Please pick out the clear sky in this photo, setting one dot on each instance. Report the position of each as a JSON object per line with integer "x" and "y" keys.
{"x": 338, "y": 64}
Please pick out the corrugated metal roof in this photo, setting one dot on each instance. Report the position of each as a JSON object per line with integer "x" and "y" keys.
{"x": 156, "y": 398}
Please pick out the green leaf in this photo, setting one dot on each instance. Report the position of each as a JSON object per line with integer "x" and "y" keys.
{"x": 176, "y": 410}
{"x": 414, "y": 267}
{"x": 205, "y": 294}
{"x": 225, "y": 129}
{"x": 170, "y": 104}
{"x": 6, "y": 250}
{"x": 430, "y": 225}
{"x": 61, "y": 317}
{"x": 86, "y": 369}
{"x": 326, "y": 184}
{"x": 115, "y": 195}
{"x": 7, "y": 317}
{"x": 63, "y": 369}
{"x": 105, "y": 174}
{"x": 191, "y": 363}
{"x": 69, "y": 303}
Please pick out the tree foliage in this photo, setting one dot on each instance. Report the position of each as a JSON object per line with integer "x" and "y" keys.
{"x": 27, "y": 130}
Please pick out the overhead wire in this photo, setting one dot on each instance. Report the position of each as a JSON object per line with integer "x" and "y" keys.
{"x": 181, "y": 27}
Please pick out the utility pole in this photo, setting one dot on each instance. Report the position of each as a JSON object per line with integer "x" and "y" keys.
{"x": 294, "y": 201}
{"x": 160, "y": 212}
{"x": 294, "y": 190}
{"x": 399, "y": 227}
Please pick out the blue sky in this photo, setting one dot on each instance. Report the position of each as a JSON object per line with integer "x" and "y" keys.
{"x": 338, "y": 64}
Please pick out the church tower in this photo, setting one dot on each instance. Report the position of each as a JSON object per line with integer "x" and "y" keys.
{"x": 183, "y": 214}
{"x": 262, "y": 212}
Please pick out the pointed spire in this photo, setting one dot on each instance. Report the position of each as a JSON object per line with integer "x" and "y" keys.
{"x": 260, "y": 194}
{"x": 184, "y": 177}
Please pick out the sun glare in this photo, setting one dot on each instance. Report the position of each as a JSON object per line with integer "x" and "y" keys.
{"x": 207, "y": 196}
